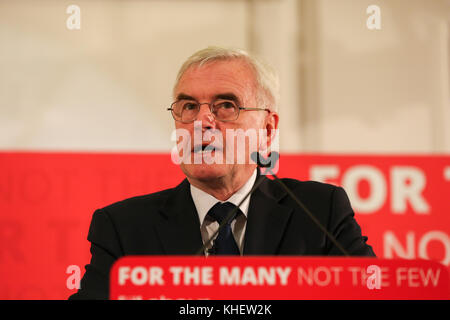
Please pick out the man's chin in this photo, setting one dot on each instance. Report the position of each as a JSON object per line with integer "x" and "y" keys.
{"x": 205, "y": 172}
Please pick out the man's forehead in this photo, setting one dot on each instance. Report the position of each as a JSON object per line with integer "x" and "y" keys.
{"x": 223, "y": 75}
{"x": 219, "y": 68}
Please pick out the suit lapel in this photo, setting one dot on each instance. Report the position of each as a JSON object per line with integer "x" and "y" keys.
{"x": 267, "y": 220}
{"x": 179, "y": 228}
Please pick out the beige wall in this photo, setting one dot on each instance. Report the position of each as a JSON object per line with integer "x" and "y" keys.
{"x": 106, "y": 86}
{"x": 384, "y": 90}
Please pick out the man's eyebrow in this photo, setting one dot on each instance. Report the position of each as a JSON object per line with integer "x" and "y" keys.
{"x": 227, "y": 96}
{"x": 222, "y": 96}
{"x": 183, "y": 96}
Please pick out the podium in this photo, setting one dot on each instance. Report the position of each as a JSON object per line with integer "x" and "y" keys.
{"x": 276, "y": 278}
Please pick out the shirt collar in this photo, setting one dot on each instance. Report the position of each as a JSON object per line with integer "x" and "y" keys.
{"x": 204, "y": 201}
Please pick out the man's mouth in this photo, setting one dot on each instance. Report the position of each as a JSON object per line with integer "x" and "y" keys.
{"x": 204, "y": 148}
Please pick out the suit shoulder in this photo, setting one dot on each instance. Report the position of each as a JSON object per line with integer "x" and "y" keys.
{"x": 138, "y": 203}
{"x": 311, "y": 186}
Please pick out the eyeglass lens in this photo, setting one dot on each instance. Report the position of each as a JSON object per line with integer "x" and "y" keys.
{"x": 187, "y": 110}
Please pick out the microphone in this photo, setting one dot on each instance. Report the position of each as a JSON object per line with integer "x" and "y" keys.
{"x": 265, "y": 163}
{"x": 269, "y": 165}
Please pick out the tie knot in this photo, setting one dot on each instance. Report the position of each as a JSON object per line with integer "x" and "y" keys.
{"x": 220, "y": 211}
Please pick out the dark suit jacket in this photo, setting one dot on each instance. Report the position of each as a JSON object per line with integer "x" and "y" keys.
{"x": 166, "y": 223}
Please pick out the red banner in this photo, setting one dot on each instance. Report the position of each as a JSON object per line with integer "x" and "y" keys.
{"x": 47, "y": 200}
{"x": 275, "y": 278}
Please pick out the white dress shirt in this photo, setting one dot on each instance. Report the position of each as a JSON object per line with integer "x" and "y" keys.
{"x": 204, "y": 201}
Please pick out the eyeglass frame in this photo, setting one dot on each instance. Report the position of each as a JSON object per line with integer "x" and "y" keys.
{"x": 210, "y": 104}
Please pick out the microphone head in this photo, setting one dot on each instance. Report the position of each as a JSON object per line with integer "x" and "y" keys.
{"x": 268, "y": 162}
{"x": 255, "y": 157}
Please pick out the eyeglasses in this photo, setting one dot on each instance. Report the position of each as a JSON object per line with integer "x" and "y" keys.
{"x": 186, "y": 111}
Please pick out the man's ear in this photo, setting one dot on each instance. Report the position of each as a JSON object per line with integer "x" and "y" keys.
{"x": 271, "y": 127}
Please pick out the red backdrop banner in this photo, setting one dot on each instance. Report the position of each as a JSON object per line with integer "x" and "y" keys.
{"x": 47, "y": 199}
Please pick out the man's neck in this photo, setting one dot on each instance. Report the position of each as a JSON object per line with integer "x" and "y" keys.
{"x": 222, "y": 188}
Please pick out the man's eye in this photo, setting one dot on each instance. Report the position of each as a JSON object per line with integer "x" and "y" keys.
{"x": 189, "y": 106}
{"x": 225, "y": 105}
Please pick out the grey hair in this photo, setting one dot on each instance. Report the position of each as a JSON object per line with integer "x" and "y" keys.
{"x": 266, "y": 77}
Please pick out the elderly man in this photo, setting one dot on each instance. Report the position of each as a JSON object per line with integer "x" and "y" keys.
{"x": 218, "y": 91}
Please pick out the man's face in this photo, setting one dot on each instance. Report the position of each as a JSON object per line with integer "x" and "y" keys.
{"x": 205, "y": 84}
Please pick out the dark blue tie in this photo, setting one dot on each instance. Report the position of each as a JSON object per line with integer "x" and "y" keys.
{"x": 224, "y": 243}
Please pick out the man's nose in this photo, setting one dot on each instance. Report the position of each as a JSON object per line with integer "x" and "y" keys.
{"x": 206, "y": 117}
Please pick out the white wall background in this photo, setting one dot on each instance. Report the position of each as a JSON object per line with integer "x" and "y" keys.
{"x": 345, "y": 88}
